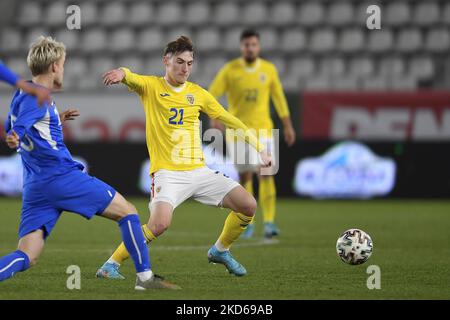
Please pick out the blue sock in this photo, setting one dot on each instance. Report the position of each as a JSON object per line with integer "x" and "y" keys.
{"x": 12, "y": 263}
{"x": 134, "y": 241}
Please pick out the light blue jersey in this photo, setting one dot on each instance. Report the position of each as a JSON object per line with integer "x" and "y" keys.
{"x": 42, "y": 148}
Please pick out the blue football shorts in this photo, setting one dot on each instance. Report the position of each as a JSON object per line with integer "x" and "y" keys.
{"x": 74, "y": 191}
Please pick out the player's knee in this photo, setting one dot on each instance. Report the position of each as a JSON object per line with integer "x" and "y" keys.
{"x": 249, "y": 207}
{"x": 159, "y": 228}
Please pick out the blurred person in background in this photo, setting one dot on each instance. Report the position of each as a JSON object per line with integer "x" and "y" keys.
{"x": 249, "y": 82}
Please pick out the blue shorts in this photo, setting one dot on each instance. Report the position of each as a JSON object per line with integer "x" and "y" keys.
{"x": 75, "y": 191}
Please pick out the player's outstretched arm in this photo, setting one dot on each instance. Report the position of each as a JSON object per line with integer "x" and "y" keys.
{"x": 114, "y": 76}
{"x": 135, "y": 82}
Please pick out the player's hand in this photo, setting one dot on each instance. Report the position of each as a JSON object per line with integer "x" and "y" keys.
{"x": 289, "y": 135}
{"x": 113, "y": 77}
{"x": 12, "y": 140}
{"x": 42, "y": 94}
{"x": 69, "y": 114}
{"x": 266, "y": 158}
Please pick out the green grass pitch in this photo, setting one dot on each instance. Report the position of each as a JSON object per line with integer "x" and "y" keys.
{"x": 411, "y": 247}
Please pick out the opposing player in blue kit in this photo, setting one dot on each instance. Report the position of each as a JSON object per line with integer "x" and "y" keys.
{"x": 54, "y": 182}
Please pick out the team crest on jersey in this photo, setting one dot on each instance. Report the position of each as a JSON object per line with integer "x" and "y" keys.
{"x": 190, "y": 98}
{"x": 158, "y": 189}
{"x": 262, "y": 77}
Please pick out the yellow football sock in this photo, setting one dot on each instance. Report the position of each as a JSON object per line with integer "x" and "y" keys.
{"x": 121, "y": 254}
{"x": 267, "y": 198}
{"x": 235, "y": 224}
{"x": 249, "y": 187}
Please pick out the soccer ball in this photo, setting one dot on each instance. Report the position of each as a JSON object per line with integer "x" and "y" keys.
{"x": 354, "y": 246}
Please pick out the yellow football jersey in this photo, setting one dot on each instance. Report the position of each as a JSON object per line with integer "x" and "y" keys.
{"x": 248, "y": 88}
{"x": 172, "y": 121}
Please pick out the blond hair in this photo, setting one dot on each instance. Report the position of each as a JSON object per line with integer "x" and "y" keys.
{"x": 43, "y": 52}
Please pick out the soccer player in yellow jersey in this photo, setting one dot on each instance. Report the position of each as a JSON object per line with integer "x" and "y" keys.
{"x": 172, "y": 106}
{"x": 249, "y": 82}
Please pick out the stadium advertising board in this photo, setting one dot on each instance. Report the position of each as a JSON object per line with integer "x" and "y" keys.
{"x": 405, "y": 116}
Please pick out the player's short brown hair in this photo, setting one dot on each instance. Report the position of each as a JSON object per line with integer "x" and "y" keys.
{"x": 43, "y": 52}
{"x": 248, "y": 33}
{"x": 180, "y": 45}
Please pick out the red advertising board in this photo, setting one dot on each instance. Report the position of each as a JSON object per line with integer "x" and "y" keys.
{"x": 422, "y": 115}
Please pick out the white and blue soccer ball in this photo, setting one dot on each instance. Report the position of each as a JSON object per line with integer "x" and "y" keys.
{"x": 354, "y": 246}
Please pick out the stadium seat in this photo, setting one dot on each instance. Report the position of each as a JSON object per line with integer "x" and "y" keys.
{"x": 446, "y": 14}
{"x": 169, "y": 13}
{"x": 317, "y": 82}
{"x": 132, "y": 62}
{"x": 340, "y": 13}
{"x": 150, "y": 39}
{"x": 282, "y": 13}
{"x": 19, "y": 65}
{"x": 361, "y": 67}
{"x": 403, "y": 82}
{"x": 76, "y": 66}
{"x": 311, "y": 14}
{"x": 397, "y": 13}
{"x": 269, "y": 39}
{"x": 409, "y": 40}
{"x": 113, "y": 13}
{"x": 154, "y": 66}
{"x": 303, "y": 67}
{"x": 55, "y": 14}
{"x": 344, "y": 83}
{"x": 226, "y": 13}
{"x": 231, "y": 39}
{"x": 89, "y": 13}
{"x": 254, "y": 13}
{"x": 279, "y": 61}
{"x": 293, "y": 40}
{"x": 30, "y": 13}
{"x": 375, "y": 83}
{"x": 207, "y": 40}
{"x": 32, "y": 35}
{"x": 392, "y": 66}
{"x": 141, "y": 13}
{"x": 332, "y": 66}
{"x": 291, "y": 82}
{"x": 121, "y": 40}
{"x": 174, "y": 33}
{"x": 351, "y": 40}
{"x": 438, "y": 40}
{"x": 380, "y": 41}
{"x": 210, "y": 65}
{"x": 426, "y": 13}
{"x": 10, "y": 40}
{"x": 197, "y": 13}
{"x": 94, "y": 39}
{"x": 69, "y": 37}
{"x": 322, "y": 40}
{"x": 421, "y": 67}
{"x": 102, "y": 64}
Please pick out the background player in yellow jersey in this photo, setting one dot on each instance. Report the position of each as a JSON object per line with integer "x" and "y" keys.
{"x": 248, "y": 83}
{"x": 172, "y": 106}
